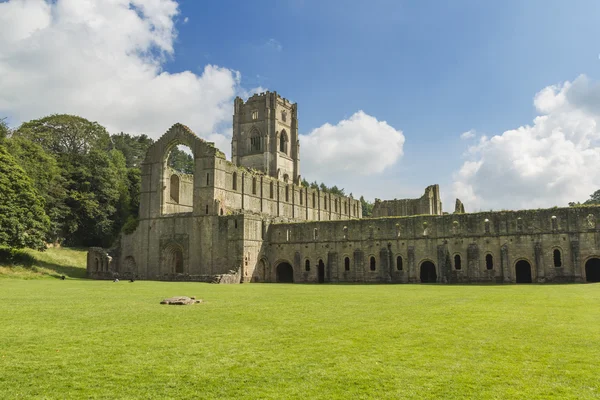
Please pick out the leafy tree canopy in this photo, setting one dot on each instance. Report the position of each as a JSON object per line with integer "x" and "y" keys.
{"x": 134, "y": 148}
{"x": 65, "y": 134}
{"x": 181, "y": 161}
{"x": 23, "y": 222}
{"x": 367, "y": 207}
{"x": 4, "y": 130}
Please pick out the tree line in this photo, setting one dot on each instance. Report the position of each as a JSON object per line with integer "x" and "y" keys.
{"x": 66, "y": 180}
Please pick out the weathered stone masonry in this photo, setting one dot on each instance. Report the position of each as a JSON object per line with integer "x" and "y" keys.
{"x": 250, "y": 221}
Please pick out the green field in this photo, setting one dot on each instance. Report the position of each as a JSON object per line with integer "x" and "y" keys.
{"x": 98, "y": 339}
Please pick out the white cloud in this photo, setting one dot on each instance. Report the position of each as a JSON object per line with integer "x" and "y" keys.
{"x": 103, "y": 60}
{"x": 470, "y": 134}
{"x": 551, "y": 162}
{"x": 360, "y": 145}
{"x": 274, "y": 44}
{"x": 186, "y": 20}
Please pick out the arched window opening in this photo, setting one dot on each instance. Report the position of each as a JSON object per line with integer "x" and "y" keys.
{"x": 254, "y": 185}
{"x": 207, "y": 209}
{"x": 557, "y": 258}
{"x": 255, "y": 141}
{"x": 287, "y": 193}
{"x": 271, "y": 190}
{"x": 489, "y": 262}
{"x": 283, "y": 140}
{"x": 325, "y": 202}
{"x": 314, "y": 201}
{"x": 372, "y": 264}
{"x": 307, "y": 265}
{"x": 346, "y": 264}
{"x": 301, "y": 196}
{"x": 316, "y": 233}
{"x": 399, "y": 263}
{"x": 174, "y": 188}
{"x": 221, "y": 211}
{"x": 234, "y": 181}
{"x": 457, "y": 262}
{"x": 178, "y": 178}
{"x": 207, "y": 179}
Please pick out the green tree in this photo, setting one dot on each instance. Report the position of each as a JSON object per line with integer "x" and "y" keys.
{"x": 134, "y": 148}
{"x": 23, "y": 222}
{"x": 45, "y": 173}
{"x": 65, "y": 134}
{"x": 97, "y": 197}
{"x": 367, "y": 207}
{"x": 4, "y": 129}
{"x": 181, "y": 161}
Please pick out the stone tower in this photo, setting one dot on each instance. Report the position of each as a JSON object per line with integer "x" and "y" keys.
{"x": 265, "y": 136}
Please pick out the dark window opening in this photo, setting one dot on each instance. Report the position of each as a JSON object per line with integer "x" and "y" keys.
{"x": 399, "y": 265}
{"x": 207, "y": 179}
{"x": 253, "y": 185}
{"x": 207, "y": 208}
{"x": 346, "y": 264}
{"x": 307, "y": 265}
{"x": 301, "y": 197}
{"x": 557, "y": 258}
{"x": 489, "y": 261}
{"x": 287, "y": 193}
{"x": 372, "y": 264}
{"x": 174, "y": 188}
{"x": 321, "y": 271}
{"x": 457, "y": 262}
{"x": 234, "y": 183}
{"x": 221, "y": 211}
{"x": 325, "y": 202}
{"x": 314, "y": 201}
{"x": 235, "y": 224}
{"x": 271, "y": 190}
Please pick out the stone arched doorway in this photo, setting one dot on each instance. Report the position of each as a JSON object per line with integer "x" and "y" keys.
{"x": 129, "y": 266}
{"x": 428, "y": 273}
{"x": 285, "y": 273}
{"x": 173, "y": 259}
{"x": 321, "y": 271}
{"x": 592, "y": 270}
{"x": 523, "y": 271}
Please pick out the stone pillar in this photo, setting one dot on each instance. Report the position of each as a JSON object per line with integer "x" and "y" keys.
{"x": 540, "y": 270}
{"x": 504, "y": 262}
{"x": 444, "y": 267}
{"x": 412, "y": 275}
{"x": 473, "y": 262}
{"x": 575, "y": 260}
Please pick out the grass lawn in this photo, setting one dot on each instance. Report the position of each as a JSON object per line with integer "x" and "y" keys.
{"x": 98, "y": 339}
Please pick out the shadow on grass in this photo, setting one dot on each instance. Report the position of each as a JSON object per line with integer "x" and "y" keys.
{"x": 20, "y": 258}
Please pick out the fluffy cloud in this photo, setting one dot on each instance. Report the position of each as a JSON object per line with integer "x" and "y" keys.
{"x": 551, "y": 162}
{"x": 358, "y": 145}
{"x": 470, "y": 134}
{"x": 102, "y": 59}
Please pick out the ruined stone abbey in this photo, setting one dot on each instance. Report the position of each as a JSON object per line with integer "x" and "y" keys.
{"x": 251, "y": 220}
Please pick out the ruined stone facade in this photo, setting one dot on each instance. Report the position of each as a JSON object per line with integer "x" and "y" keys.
{"x": 250, "y": 221}
{"x": 428, "y": 204}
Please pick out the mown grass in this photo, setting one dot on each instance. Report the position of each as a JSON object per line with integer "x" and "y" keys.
{"x": 98, "y": 339}
{"x": 31, "y": 264}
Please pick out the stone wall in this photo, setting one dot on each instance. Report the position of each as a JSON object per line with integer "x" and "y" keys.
{"x": 481, "y": 247}
{"x": 429, "y": 204}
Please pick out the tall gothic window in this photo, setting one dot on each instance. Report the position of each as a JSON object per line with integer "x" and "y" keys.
{"x": 283, "y": 141}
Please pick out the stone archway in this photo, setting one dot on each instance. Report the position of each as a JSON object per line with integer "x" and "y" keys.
{"x": 173, "y": 259}
{"x": 285, "y": 273}
{"x": 523, "y": 272}
{"x": 428, "y": 273}
{"x": 321, "y": 271}
{"x": 592, "y": 270}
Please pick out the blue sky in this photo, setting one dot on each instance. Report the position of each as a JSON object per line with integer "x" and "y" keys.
{"x": 430, "y": 69}
{"x": 433, "y": 69}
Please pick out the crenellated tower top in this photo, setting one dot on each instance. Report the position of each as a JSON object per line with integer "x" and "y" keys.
{"x": 265, "y": 136}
